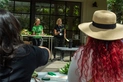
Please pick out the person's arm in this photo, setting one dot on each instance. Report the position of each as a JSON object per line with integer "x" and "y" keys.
{"x": 42, "y": 31}
{"x": 55, "y": 32}
{"x": 33, "y": 30}
{"x": 33, "y": 33}
{"x": 72, "y": 72}
{"x": 65, "y": 33}
{"x": 42, "y": 55}
{"x": 48, "y": 51}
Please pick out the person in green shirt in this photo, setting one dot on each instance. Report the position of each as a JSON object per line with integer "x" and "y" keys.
{"x": 37, "y": 29}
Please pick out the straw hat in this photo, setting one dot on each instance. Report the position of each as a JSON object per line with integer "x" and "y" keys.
{"x": 103, "y": 26}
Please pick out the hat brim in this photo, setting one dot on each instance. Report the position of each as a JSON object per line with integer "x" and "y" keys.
{"x": 102, "y": 34}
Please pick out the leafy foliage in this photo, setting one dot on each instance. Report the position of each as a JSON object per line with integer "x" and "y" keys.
{"x": 116, "y": 6}
{"x": 35, "y": 74}
{"x": 4, "y": 4}
{"x": 64, "y": 70}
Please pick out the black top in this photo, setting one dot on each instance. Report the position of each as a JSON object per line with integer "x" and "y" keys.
{"x": 23, "y": 67}
{"x": 61, "y": 30}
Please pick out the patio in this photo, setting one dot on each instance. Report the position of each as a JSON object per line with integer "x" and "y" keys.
{"x": 55, "y": 64}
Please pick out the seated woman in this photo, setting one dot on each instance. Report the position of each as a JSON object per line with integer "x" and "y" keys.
{"x": 37, "y": 30}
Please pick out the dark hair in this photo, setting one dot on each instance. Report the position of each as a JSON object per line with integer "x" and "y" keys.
{"x": 9, "y": 36}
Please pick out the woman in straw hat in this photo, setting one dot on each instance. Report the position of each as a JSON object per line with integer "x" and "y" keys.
{"x": 101, "y": 58}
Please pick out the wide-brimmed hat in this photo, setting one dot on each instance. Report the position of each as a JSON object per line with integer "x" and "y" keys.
{"x": 103, "y": 26}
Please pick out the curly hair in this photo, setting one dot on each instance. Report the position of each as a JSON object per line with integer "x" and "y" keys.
{"x": 106, "y": 61}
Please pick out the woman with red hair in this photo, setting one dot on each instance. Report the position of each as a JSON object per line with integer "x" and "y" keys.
{"x": 101, "y": 58}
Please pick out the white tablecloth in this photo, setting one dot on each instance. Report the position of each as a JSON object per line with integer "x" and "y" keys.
{"x": 57, "y": 78}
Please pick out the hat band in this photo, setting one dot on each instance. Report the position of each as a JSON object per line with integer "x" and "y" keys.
{"x": 104, "y": 26}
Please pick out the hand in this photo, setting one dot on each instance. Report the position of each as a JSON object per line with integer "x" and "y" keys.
{"x": 67, "y": 39}
{"x": 58, "y": 32}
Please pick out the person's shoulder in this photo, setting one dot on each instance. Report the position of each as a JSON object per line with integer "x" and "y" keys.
{"x": 56, "y": 26}
{"x": 28, "y": 47}
{"x": 79, "y": 52}
{"x": 41, "y": 26}
{"x": 34, "y": 27}
{"x": 63, "y": 26}
{"x": 37, "y": 49}
{"x": 32, "y": 49}
{"x": 22, "y": 49}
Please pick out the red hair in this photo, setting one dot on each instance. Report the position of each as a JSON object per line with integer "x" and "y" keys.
{"x": 107, "y": 61}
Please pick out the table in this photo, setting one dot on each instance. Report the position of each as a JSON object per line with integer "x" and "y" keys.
{"x": 58, "y": 78}
{"x": 50, "y": 37}
{"x": 73, "y": 49}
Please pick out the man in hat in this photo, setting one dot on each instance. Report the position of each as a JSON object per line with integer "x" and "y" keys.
{"x": 101, "y": 58}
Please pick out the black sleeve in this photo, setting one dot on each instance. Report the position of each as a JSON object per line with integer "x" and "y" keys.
{"x": 42, "y": 56}
{"x": 56, "y": 27}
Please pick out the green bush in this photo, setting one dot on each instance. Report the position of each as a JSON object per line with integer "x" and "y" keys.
{"x": 4, "y": 4}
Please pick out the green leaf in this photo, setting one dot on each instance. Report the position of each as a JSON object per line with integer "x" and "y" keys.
{"x": 4, "y": 3}
{"x": 116, "y": 6}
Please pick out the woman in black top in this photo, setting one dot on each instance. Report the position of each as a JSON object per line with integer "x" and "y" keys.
{"x": 17, "y": 60}
{"x": 59, "y": 35}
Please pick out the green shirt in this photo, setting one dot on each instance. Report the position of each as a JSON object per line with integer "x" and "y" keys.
{"x": 38, "y": 30}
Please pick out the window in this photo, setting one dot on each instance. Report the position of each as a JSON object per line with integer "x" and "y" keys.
{"x": 48, "y": 12}
{"x": 21, "y": 10}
